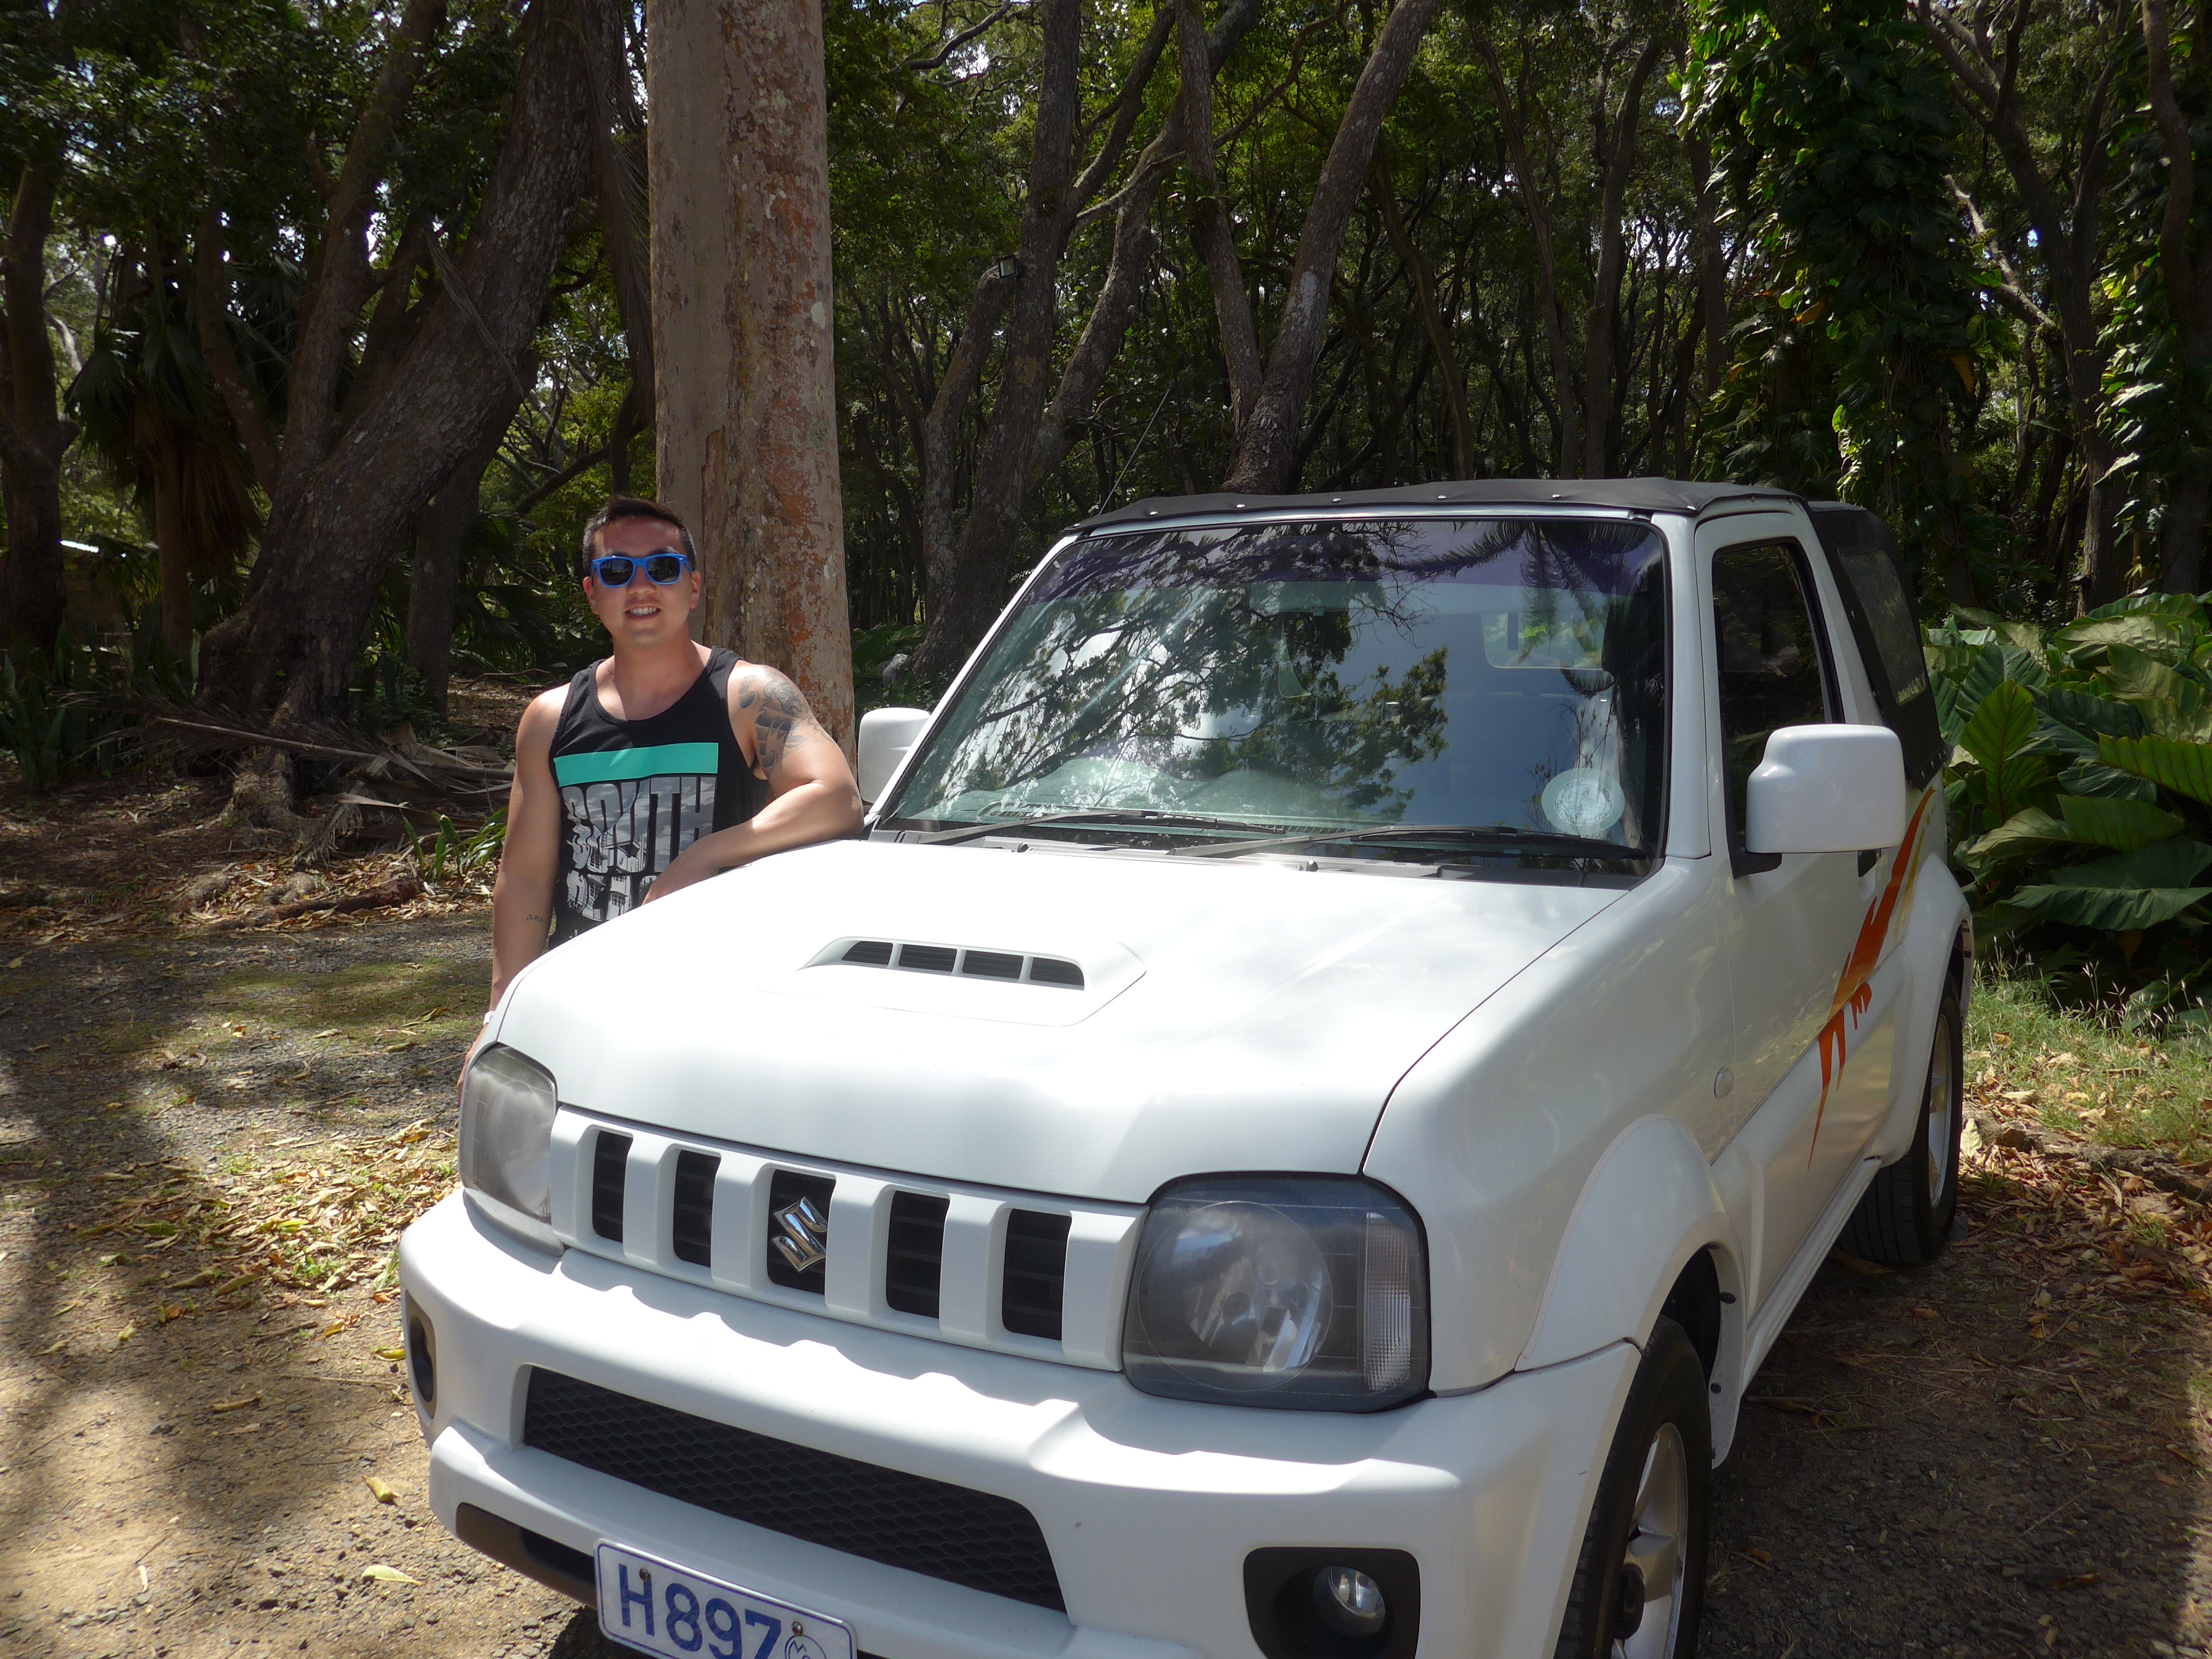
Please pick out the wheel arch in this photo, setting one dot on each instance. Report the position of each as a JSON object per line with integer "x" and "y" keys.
{"x": 1939, "y": 946}
{"x": 1648, "y": 1235}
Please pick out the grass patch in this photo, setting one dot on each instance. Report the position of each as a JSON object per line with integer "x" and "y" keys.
{"x": 380, "y": 999}
{"x": 2086, "y": 1078}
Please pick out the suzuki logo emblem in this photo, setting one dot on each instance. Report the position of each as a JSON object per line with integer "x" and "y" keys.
{"x": 801, "y": 1232}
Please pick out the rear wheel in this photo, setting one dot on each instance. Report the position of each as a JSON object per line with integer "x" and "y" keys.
{"x": 1904, "y": 1216}
{"x": 1640, "y": 1581}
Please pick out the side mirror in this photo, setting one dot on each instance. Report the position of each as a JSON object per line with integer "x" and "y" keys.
{"x": 886, "y": 735}
{"x": 1826, "y": 789}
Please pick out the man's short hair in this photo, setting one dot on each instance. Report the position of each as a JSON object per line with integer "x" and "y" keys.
{"x": 617, "y": 508}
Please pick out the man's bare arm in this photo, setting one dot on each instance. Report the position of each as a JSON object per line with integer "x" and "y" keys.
{"x": 522, "y": 899}
{"x": 811, "y": 794}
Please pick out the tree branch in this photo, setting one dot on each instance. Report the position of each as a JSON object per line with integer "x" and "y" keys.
{"x": 1211, "y": 232}
{"x": 1123, "y": 112}
{"x": 1266, "y": 450}
{"x": 2173, "y": 249}
{"x": 936, "y": 59}
{"x": 2012, "y": 291}
{"x": 211, "y": 303}
{"x": 338, "y": 280}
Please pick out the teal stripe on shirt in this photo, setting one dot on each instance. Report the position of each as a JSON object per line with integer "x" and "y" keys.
{"x": 613, "y": 765}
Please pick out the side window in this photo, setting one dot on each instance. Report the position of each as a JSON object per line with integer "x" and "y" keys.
{"x": 1871, "y": 578}
{"x": 1768, "y": 644}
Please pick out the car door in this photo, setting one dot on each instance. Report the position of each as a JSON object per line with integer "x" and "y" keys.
{"x": 1794, "y": 917}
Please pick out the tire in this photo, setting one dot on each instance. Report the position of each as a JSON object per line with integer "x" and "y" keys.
{"x": 1654, "y": 1509}
{"x": 1905, "y": 1215}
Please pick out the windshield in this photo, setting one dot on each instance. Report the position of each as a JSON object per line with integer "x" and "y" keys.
{"x": 1326, "y": 676}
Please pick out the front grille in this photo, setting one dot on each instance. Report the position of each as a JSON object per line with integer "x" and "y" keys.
{"x": 914, "y": 1262}
{"x": 1037, "y": 1274}
{"x": 694, "y": 1222}
{"x": 609, "y": 1171}
{"x": 798, "y": 1231}
{"x": 979, "y": 1540}
{"x": 984, "y": 1268}
{"x": 871, "y": 953}
{"x": 1050, "y": 970}
{"x": 928, "y": 959}
{"x": 992, "y": 964}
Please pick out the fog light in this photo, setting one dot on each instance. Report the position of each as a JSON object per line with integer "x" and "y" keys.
{"x": 423, "y": 1360}
{"x": 1349, "y": 1602}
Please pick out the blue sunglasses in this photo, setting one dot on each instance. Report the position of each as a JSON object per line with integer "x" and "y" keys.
{"x": 662, "y": 569}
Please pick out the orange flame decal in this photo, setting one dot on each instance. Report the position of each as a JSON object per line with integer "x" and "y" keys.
{"x": 1854, "y": 992}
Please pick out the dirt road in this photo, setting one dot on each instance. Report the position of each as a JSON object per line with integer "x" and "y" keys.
{"x": 207, "y": 1141}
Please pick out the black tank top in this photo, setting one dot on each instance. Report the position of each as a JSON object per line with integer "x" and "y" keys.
{"x": 635, "y": 793}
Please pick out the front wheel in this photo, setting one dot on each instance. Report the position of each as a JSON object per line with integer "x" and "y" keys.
{"x": 1640, "y": 1581}
{"x": 1905, "y": 1215}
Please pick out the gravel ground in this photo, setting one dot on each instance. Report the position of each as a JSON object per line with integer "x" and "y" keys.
{"x": 2002, "y": 1455}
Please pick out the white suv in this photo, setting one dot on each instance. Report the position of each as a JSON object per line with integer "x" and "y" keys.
{"x": 1355, "y": 1022}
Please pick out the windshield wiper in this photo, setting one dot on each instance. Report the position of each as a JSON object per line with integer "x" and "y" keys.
{"x": 1133, "y": 816}
{"x": 1500, "y": 835}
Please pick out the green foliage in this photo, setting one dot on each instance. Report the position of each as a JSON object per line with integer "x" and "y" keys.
{"x": 448, "y": 854}
{"x": 1833, "y": 126}
{"x": 59, "y": 715}
{"x": 2080, "y": 795}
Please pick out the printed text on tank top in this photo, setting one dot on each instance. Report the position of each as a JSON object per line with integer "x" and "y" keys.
{"x": 635, "y": 792}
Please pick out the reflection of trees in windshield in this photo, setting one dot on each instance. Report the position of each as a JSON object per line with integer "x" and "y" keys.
{"x": 1231, "y": 698}
{"x": 1310, "y": 672}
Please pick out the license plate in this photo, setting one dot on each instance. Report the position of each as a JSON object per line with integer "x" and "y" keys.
{"x": 672, "y": 1611}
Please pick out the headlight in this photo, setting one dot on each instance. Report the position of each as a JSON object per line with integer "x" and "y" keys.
{"x": 1309, "y": 1292}
{"x": 507, "y": 1131}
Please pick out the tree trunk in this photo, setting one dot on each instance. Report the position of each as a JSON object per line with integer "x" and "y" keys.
{"x": 1432, "y": 320}
{"x": 1133, "y": 243}
{"x": 940, "y": 534}
{"x": 1712, "y": 267}
{"x": 441, "y": 530}
{"x": 172, "y": 545}
{"x": 2067, "y": 241}
{"x": 342, "y": 510}
{"x": 1266, "y": 450}
{"x": 1211, "y": 232}
{"x": 32, "y": 433}
{"x": 968, "y": 578}
{"x": 1618, "y": 156}
{"x": 692, "y": 258}
{"x": 746, "y": 421}
{"x": 2186, "y": 270}
{"x": 2181, "y": 541}
{"x": 778, "y": 594}
{"x": 1537, "y": 205}
{"x": 961, "y": 607}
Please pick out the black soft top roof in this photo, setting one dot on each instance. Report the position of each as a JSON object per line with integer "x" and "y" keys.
{"x": 1632, "y": 494}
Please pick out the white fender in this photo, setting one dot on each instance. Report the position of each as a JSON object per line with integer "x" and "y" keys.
{"x": 1648, "y": 1207}
{"x": 1939, "y": 912}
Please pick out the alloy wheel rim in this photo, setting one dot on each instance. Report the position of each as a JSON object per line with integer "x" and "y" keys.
{"x": 1942, "y": 1104}
{"x": 1656, "y": 1545}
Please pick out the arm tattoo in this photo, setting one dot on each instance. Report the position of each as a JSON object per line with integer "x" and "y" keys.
{"x": 782, "y": 722}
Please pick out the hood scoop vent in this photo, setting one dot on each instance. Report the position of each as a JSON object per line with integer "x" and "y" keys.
{"x": 1008, "y": 967}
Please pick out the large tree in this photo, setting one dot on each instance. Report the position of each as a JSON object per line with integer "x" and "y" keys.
{"x": 34, "y": 433}
{"x": 744, "y": 314}
{"x": 1990, "y": 51}
{"x": 407, "y": 350}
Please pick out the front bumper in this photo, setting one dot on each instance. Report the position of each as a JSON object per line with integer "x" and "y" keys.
{"x": 1149, "y": 1506}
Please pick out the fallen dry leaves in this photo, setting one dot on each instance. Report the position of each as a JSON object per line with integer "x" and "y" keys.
{"x": 298, "y": 1233}
{"x": 2059, "y": 1206}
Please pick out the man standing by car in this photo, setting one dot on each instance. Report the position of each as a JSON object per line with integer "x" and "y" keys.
{"x": 659, "y": 765}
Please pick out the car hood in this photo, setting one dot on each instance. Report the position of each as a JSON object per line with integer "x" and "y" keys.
{"x": 1234, "y": 1016}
